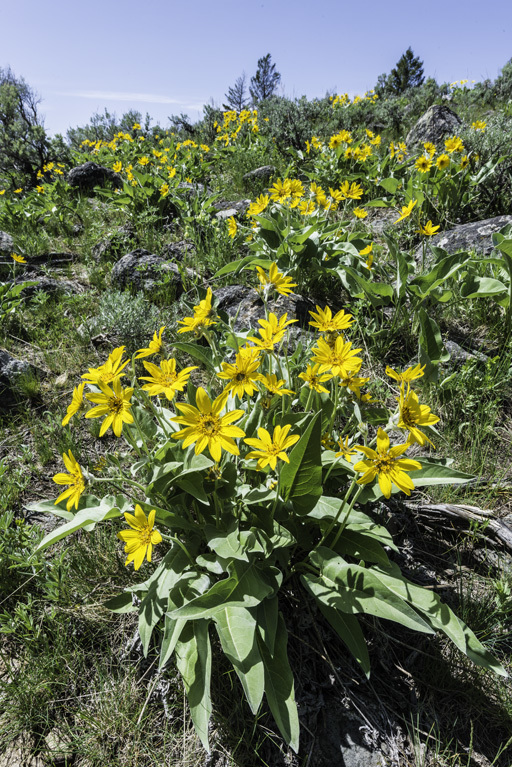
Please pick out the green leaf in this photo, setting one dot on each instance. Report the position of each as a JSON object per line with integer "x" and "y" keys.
{"x": 440, "y": 616}
{"x": 201, "y": 353}
{"x": 194, "y": 662}
{"x": 268, "y": 614}
{"x": 346, "y": 626}
{"x": 301, "y": 479}
{"x": 279, "y": 687}
{"x": 237, "y": 630}
{"x": 168, "y": 574}
{"x": 245, "y": 587}
{"x": 441, "y": 272}
{"x": 233, "y": 543}
{"x": 172, "y": 631}
{"x": 353, "y": 589}
{"x": 431, "y": 346}
{"x": 481, "y": 287}
{"x": 237, "y": 266}
{"x": 122, "y": 603}
{"x": 390, "y": 184}
{"x": 361, "y": 546}
{"x": 436, "y": 474}
{"x": 83, "y": 518}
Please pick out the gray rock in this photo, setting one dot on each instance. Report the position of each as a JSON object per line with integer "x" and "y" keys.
{"x": 143, "y": 271}
{"x": 246, "y": 305}
{"x": 437, "y": 122}
{"x": 6, "y": 244}
{"x": 380, "y": 219}
{"x": 476, "y": 236}
{"x": 194, "y": 190}
{"x": 59, "y": 751}
{"x": 226, "y": 209}
{"x": 48, "y": 285}
{"x": 264, "y": 173}
{"x": 458, "y": 355}
{"x": 114, "y": 244}
{"x": 177, "y": 251}
{"x": 10, "y": 371}
{"x": 85, "y": 177}
{"x": 6, "y": 248}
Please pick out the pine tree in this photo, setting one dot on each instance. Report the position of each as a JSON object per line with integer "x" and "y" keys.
{"x": 236, "y": 96}
{"x": 265, "y": 81}
{"x": 407, "y": 73}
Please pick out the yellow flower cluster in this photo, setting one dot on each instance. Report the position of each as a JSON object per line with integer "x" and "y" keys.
{"x": 343, "y": 99}
{"x": 233, "y": 124}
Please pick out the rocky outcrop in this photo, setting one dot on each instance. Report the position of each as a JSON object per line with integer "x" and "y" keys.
{"x": 11, "y": 370}
{"x": 227, "y": 209}
{"x": 85, "y": 177}
{"x": 264, "y": 173}
{"x": 476, "y": 236}
{"x": 437, "y": 122}
{"x": 245, "y": 305}
{"x": 147, "y": 272}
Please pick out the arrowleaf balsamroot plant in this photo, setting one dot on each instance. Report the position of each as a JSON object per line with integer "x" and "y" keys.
{"x": 260, "y": 484}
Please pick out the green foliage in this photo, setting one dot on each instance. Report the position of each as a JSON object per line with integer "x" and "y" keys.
{"x": 236, "y": 96}
{"x": 104, "y": 125}
{"x": 24, "y": 145}
{"x": 264, "y": 83}
{"x": 407, "y": 74}
{"x": 236, "y": 542}
{"x": 131, "y": 319}
{"x": 502, "y": 86}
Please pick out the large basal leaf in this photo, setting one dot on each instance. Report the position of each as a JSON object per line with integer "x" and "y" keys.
{"x": 279, "y": 686}
{"x": 237, "y": 630}
{"x": 267, "y": 614}
{"x": 172, "y": 632}
{"x": 436, "y": 474}
{"x": 301, "y": 479}
{"x": 88, "y": 517}
{"x": 194, "y": 662}
{"x": 245, "y": 587}
{"x": 346, "y": 626}
{"x": 482, "y": 287}
{"x": 353, "y": 589}
{"x": 439, "y": 615}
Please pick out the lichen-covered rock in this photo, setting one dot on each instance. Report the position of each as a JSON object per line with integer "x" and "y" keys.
{"x": 85, "y": 177}
{"x": 476, "y": 236}
{"x": 227, "y": 209}
{"x": 264, "y": 173}
{"x": 245, "y": 305}
{"x": 11, "y": 370}
{"x": 147, "y": 272}
{"x": 6, "y": 244}
{"x": 437, "y": 122}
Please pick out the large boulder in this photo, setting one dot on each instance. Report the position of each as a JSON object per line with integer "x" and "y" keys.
{"x": 147, "y": 272}
{"x": 85, "y": 177}
{"x": 476, "y": 236}
{"x": 264, "y": 173}
{"x": 246, "y": 307}
{"x": 6, "y": 244}
{"x": 6, "y": 248}
{"x": 11, "y": 370}
{"x": 437, "y": 122}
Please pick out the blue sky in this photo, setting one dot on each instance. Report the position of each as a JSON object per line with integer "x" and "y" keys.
{"x": 168, "y": 57}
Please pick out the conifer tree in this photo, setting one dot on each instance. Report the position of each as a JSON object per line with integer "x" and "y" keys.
{"x": 407, "y": 73}
{"x": 265, "y": 81}
{"x": 237, "y": 97}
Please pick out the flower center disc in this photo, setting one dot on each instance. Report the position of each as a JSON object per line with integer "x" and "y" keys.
{"x": 209, "y": 425}
{"x": 115, "y": 405}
